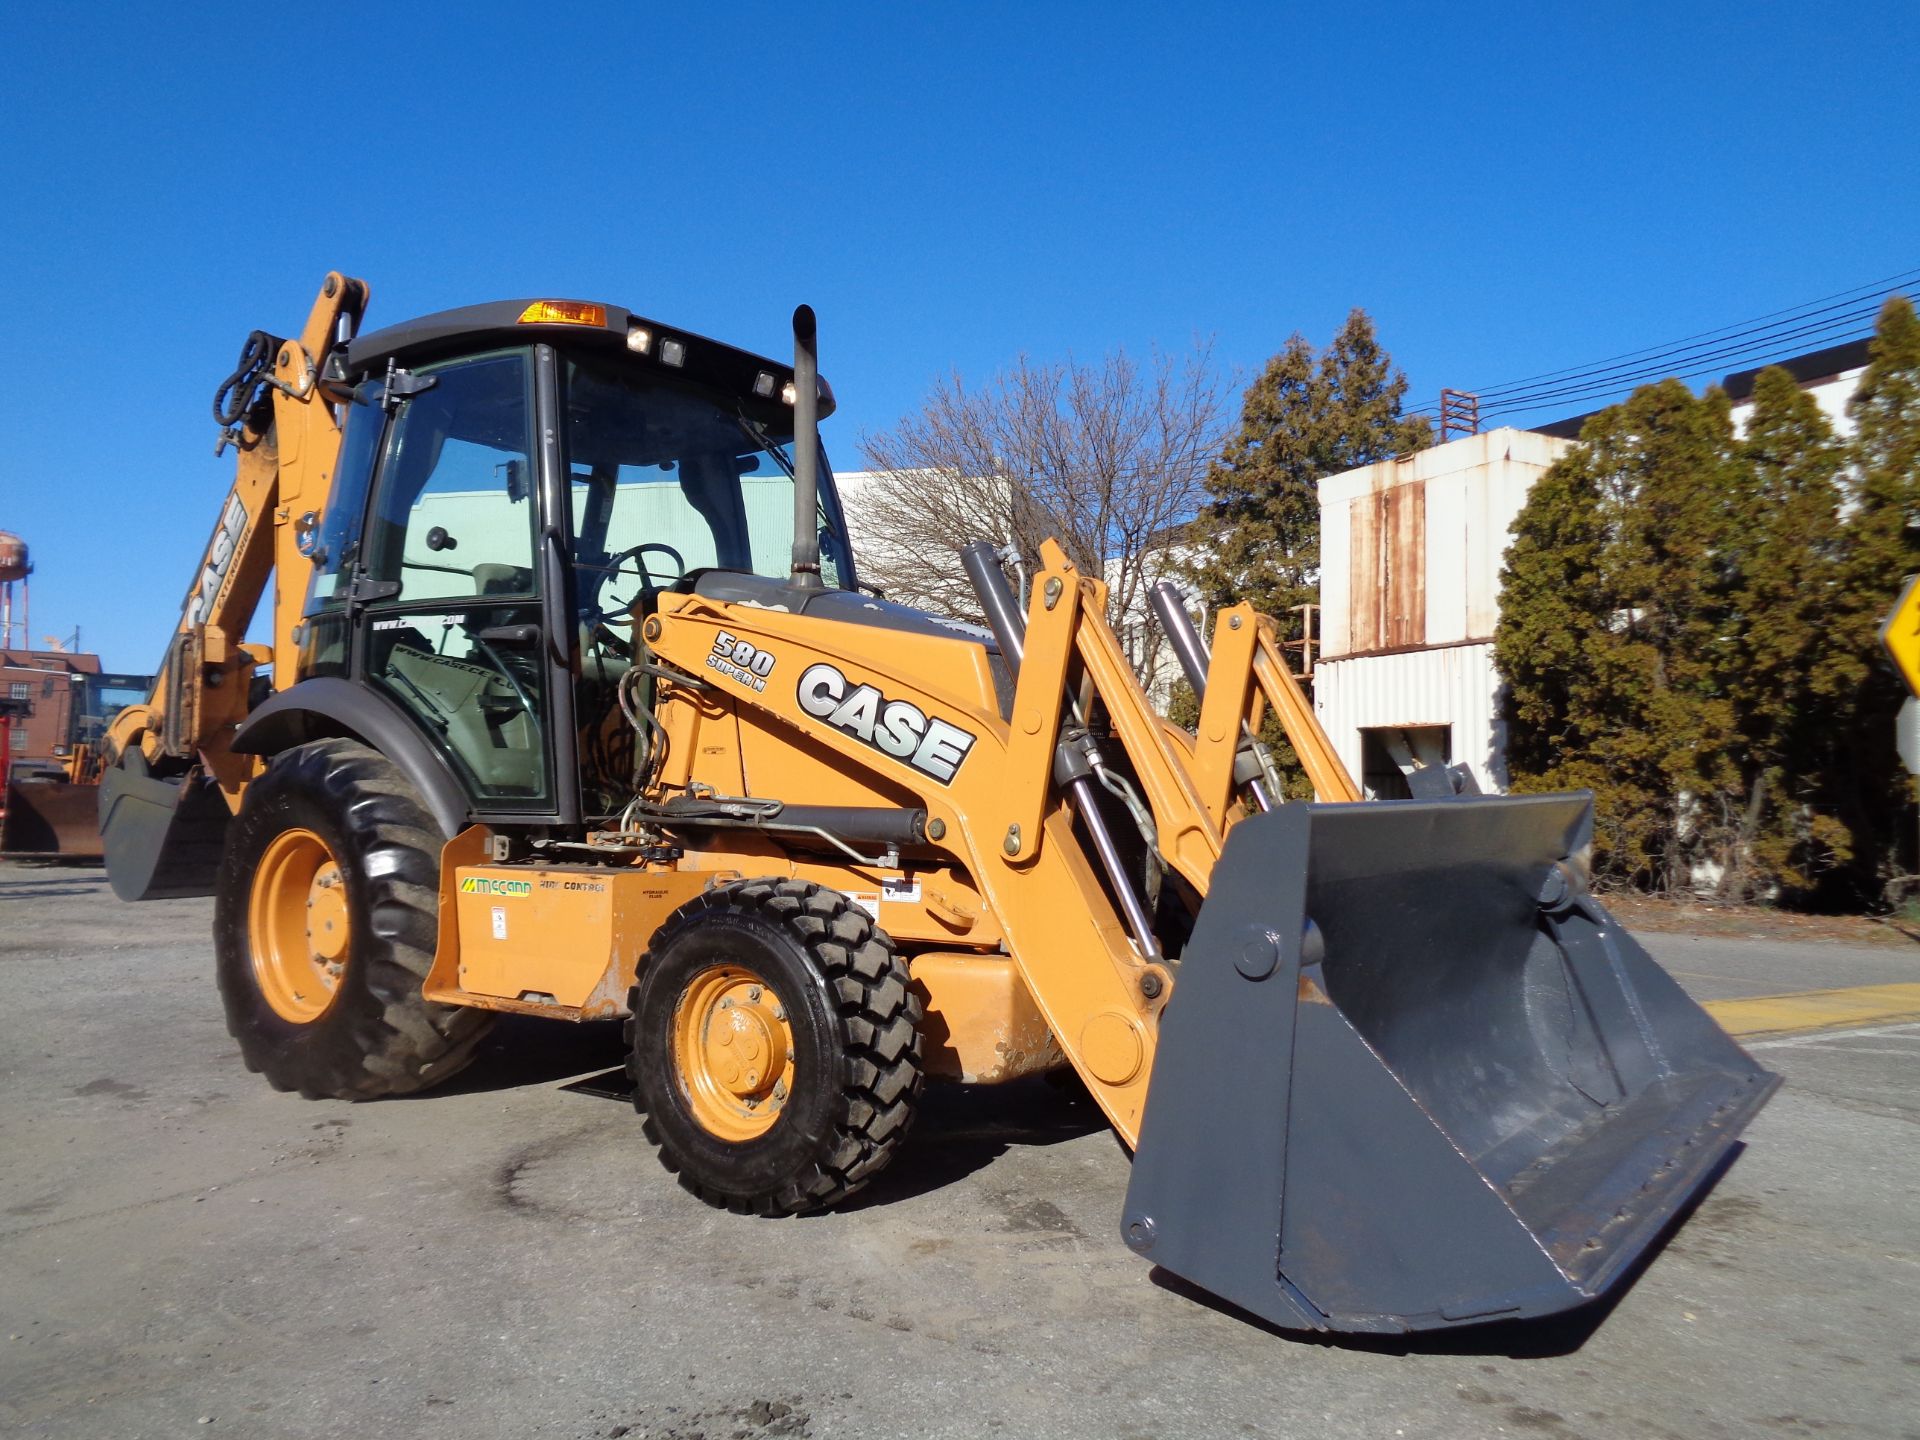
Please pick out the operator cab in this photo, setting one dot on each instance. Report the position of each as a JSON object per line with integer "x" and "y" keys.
{"x": 517, "y": 483}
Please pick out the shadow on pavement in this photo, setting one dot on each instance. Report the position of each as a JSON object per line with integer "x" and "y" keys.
{"x": 958, "y": 1129}
{"x": 1542, "y": 1339}
{"x": 44, "y": 891}
{"x": 524, "y": 1050}
{"x": 964, "y": 1128}
{"x": 45, "y": 878}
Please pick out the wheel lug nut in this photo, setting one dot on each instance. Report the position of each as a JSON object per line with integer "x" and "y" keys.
{"x": 779, "y": 1012}
{"x": 753, "y": 992}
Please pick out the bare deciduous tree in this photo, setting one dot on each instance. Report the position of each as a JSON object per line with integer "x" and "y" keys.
{"x": 1107, "y": 457}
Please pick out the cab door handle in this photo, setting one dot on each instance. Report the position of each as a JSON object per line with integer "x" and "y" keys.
{"x": 555, "y": 595}
{"x": 509, "y": 634}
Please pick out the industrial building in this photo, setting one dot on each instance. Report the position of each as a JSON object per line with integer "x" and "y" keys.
{"x": 1411, "y": 551}
{"x": 68, "y": 699}
{"x": 1410, "y": 556}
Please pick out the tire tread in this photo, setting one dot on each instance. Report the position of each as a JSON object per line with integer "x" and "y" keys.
{"x": 410, "y": 1043}
{"x": 880, "y": 1029}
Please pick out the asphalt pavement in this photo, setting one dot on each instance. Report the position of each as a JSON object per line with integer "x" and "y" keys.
{"x": 185, "y": 1252}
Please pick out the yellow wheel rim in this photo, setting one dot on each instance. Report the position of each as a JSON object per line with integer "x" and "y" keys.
{"x": 733, "y": 1052}
{"x": 298, "y": 926}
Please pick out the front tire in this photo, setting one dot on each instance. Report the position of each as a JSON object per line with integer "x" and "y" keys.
{"x": 325, "y": 922}
{"x": 774, "y": 1046}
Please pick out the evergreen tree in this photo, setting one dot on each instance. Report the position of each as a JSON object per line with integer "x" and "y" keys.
{"x": 1689, "y": 627}
{"x": 1615, "y": 599}
{"x": 1882, "y": 547}
{"x": 1784, "y": 560}
{"x": 1553, "y": 599}
{"x": 1258, "y": 539}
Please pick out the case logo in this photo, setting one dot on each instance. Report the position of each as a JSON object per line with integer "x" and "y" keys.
{"x": 893, "y": 727}
{"x": 226, "y": 540}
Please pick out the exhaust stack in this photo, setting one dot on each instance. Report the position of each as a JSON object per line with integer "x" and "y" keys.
{"x": 806, "y": 451}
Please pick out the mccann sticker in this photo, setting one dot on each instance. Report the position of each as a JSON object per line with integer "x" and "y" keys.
{"x": 740, "y": 660}
{"x": 893, "y": 727}
{"x": 487, "y": 885}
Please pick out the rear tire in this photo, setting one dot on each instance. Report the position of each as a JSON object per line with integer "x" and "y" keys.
{"x": 816, "y": 1003}
{"x": 325, "y": 922}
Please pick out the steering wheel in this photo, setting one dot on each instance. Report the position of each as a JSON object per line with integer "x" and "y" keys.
{"x": 618, "y": 611}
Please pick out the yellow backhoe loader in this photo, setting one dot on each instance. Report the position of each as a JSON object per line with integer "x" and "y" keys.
{"x": 574, "y": 707}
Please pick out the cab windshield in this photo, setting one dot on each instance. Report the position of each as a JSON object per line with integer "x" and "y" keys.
{"x": 666, "y": 478}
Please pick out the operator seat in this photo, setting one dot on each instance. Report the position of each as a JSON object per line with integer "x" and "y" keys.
{"x": 492, "y": 578}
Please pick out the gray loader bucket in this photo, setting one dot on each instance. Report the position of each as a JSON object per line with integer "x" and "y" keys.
{"x": 162, "y": 838}
{"x": 1412, "y": 1076}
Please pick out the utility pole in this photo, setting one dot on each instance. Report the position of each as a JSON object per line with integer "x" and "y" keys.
{"x": 1459, "y": 414}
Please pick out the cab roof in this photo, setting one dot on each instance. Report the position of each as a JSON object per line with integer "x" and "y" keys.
{"x": 594, "y": 327}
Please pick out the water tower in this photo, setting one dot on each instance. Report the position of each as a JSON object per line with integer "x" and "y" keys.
{"x": 14, "y": 565}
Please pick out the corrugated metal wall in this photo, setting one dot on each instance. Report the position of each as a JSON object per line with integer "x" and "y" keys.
{"x": 1453, "y": 685}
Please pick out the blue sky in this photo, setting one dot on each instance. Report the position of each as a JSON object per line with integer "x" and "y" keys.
{"x": 1508, "y": 190}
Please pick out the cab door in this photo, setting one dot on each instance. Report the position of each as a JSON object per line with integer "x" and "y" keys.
{"x": 451, "y": 603}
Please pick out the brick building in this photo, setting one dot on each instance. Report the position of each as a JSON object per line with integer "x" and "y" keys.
{"x": 69, "y": 699}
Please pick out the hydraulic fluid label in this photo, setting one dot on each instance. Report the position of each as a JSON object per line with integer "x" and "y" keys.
{"x": 893, "y": 727}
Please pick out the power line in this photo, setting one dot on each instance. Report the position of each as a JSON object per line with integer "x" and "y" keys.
{"x": 1741, "y": 345}
{"x": 1878, "y": 287}
{"x": 1737, "y": 343}
{"x": 1698, "y": 354}
{"x": 1836, "y": 330}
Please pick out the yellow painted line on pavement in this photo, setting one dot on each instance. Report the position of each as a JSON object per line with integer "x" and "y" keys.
{"x": 1809, "y": 1010}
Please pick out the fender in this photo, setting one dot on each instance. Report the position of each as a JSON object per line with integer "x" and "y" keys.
{"x": 314, "y": 709}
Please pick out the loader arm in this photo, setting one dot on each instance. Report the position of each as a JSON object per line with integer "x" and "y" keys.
{"x": 1190, "y": 795}
{"x": 1247, "y": 677}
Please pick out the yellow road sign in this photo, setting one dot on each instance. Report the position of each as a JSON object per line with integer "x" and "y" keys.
{"x": 1901, "y": 634}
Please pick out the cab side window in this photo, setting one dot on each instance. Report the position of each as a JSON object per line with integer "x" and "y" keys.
{"x": 452, "y": 530}
{"x": 455, "y": 515}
